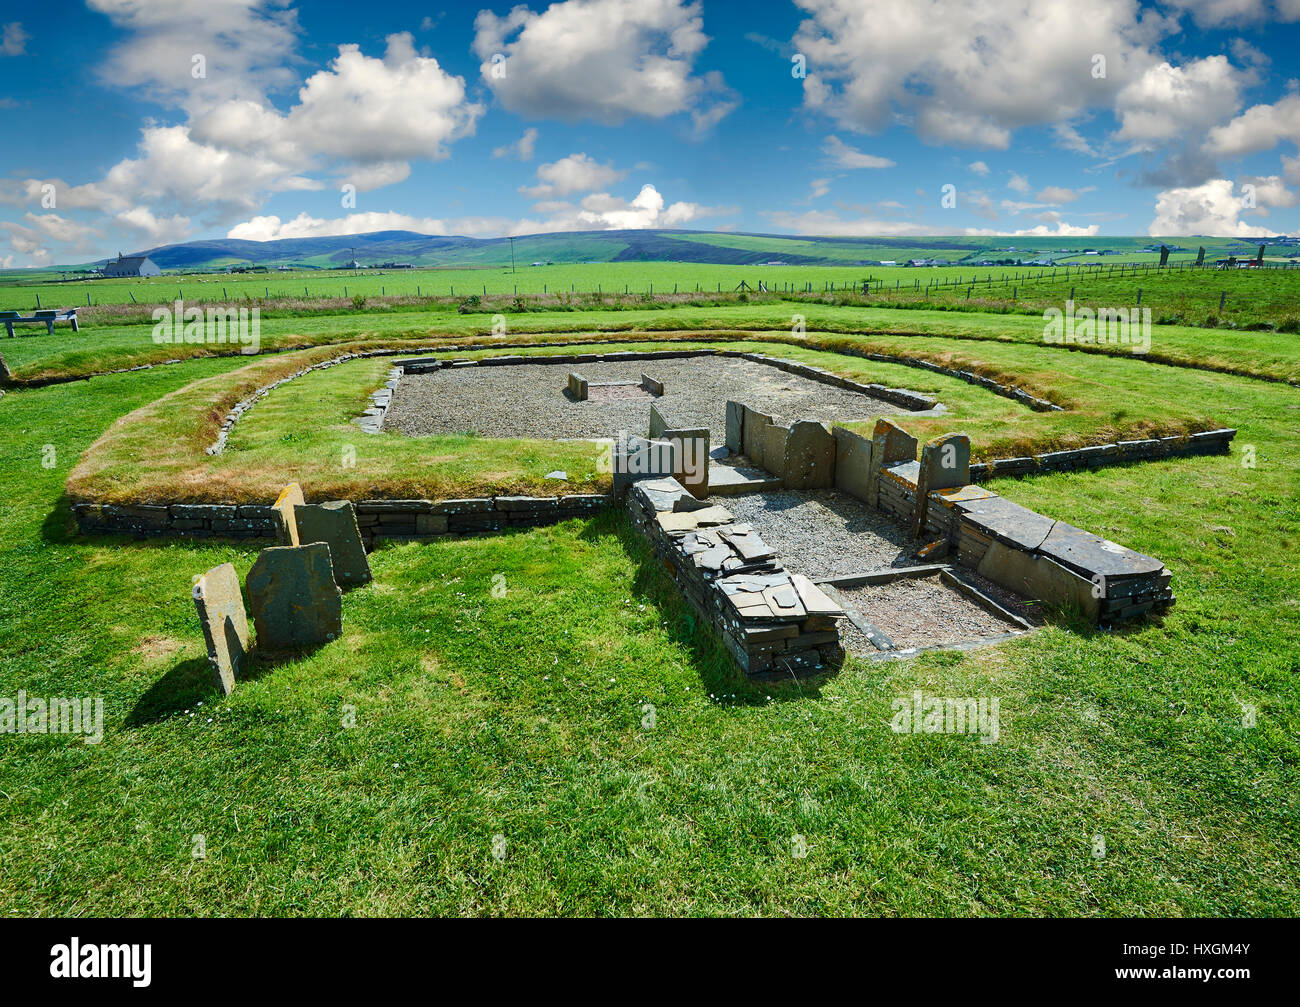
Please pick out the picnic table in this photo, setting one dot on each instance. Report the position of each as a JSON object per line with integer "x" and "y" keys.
{"x": 48, "y": 316}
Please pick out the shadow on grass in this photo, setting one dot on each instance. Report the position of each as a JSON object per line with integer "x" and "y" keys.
{"x": 718, "y": 671}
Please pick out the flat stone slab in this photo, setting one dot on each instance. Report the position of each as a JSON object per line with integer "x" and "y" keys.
{"x": 335, "y": 524}
{"x": 1001, "y": 519}
{"x": 296, "y": 604}
{"x": 729, "y": 480}
{"x": 1039, "y": 577}
{"x": 960, "y": 495}
{"x": 682, "y": 521}
{"x": 814, "y": 600}
{"x": 906, "y": 473}
{"x": 220, "y": 605}
{"x": 1091, "y": 554}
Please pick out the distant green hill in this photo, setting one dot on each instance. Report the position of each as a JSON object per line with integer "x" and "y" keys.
{"x": 728, "y": 248}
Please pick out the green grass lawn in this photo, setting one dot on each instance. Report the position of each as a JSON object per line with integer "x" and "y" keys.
{"x": 524, "y": 717}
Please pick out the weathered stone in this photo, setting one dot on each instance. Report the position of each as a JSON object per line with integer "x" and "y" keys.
{"x": 651, "y": 385}
{"x": 944, "y": 464}
{"x": 890, "y": 444}
{"x": 752, "y": 427}
{"x": 735, "y": 417}
{"x": 295, "y": 602}
{"x": 640, "y": 458}
{"x": 809, "y": 457}
{"x": 431, "y": 524}
{"x": 286, "y": 527}
{"x": 1094, "y": 556}
{"x": 527, "y": 504}
{"x": 690, "y": 520}
{"x": 203, "y": 512}
{"x": 1039, "y": 577}
{"x": 775, "y": 439}
{"x": 335, "y": 524}
{"x": 225, "y": 625}
{"x": 814, "y": 600}
{"x": 577, "y": 386}
{"x": 690, "y": 458}
{"x": 399, "y": 506}
{"x": 852, "y": 463}
{"x": 472, "y": 505}
{"x": 657, "y": 423}
{"x": 999, "y": 518}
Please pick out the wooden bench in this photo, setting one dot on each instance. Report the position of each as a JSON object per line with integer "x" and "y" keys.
{"x": 47, "y": 316}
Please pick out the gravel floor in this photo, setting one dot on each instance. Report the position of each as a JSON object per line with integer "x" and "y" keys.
{"x": 920, "y": 612}
{"x": 822, "y": 533}
{"x": 528, "y": 400}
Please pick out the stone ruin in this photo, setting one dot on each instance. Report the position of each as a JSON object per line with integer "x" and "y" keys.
{"x": 777, "y": 623}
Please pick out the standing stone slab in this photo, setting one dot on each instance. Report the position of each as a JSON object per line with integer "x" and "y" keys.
{"x": 890, "y": 444}
{"x": 752, "y": 434}
{"x": 657, "y": 424}
{"x": 225, "y": 625}
{"x": 296, "y": 604}
{"x": 578, "y": 386}
{"x": 775, "y": 440}
{"x": 809, "y": 457}
{"x": 286, "y": 528}
{"x": 335, "y": 524}
{"x": 852, "y": 463}
{"x": 735, "y": 415}
{"x": 945, "y": 463}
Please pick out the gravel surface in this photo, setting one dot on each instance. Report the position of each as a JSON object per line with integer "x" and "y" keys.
{"x": 920, "y": 612}
{"x": 822, "y": 533}
{"x": 528, "y": 400}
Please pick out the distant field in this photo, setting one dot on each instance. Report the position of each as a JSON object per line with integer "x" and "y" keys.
{"x": 1239, "y": 298}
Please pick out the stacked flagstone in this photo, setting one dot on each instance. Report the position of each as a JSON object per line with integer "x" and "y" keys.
{"x": 772, "y": 621}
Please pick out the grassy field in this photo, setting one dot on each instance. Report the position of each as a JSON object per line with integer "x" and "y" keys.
{"x": 518, "y": 724}
{"x": 1269, "y": 298}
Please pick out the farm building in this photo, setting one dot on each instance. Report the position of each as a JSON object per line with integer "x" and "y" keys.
{"x": 131, "y": 265}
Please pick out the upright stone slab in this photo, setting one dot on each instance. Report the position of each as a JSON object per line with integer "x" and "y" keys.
{"x": 691, "y": 458}
{"x": 657, "y": 424}
{"x": 225, "y": 625}
{"x": 945, "y": 463}
{"x": 735, "y": 416}
{"x": 890, "y": 444}
{"x": 775, "y": 439}
{"x": 652, "y": 385}
{"x": 335, "y": 524}
{"x": 852, "y": 463}
{"x": 286, "y": 528}
{"x": 577, "y": 386}
{"x": 1040, "y": 577}
{"x": 296, "y": 604}
{"x": 752, "y": 434}
{"x": 809, "y": 456}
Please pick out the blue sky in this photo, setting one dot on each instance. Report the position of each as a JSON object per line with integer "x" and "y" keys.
{"x": 152, "y": 122}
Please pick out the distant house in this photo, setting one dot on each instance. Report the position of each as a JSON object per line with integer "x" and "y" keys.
{"x": 131, "y": 265}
